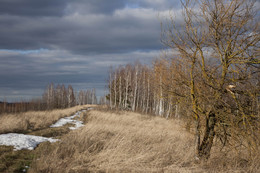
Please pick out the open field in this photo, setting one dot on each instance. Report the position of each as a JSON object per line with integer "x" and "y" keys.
{"x": 131, "y": 142}
{"x": 124, "y": 142}
{"x": 18, "y": 161}
{"x": 33, "y": 120}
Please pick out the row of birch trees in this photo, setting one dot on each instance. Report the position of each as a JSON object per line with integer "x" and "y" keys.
{"x": 59, "y": 96}
{"x": 146, "y": 89}
{"x": 54, "y": 97}
{"x": 212, "y": 79}
{"x": 87, "y": 97}
{"x": 64, "y": 97}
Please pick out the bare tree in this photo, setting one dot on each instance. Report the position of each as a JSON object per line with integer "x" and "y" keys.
{"x": 135, "y": 88}
{"x": 218, "y": 42}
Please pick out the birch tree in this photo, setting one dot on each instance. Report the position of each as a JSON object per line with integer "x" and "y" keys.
{"x": 135, "y": 88}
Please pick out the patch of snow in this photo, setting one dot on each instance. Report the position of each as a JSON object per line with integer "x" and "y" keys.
{"x": 61, "y": 122}
{"x": 78, "y": 124}
{"x": 21, "y": 141}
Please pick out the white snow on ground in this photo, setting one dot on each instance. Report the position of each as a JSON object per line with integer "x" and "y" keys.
{"x": 71, "y": 120}
{"x": 21, "y": 141}
{"x": 78, "y": 124}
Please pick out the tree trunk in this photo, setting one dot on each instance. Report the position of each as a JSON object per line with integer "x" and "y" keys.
{"x": 120, "y": 91}
{"x": 126, "y": 89}
{"x": 110, "y": 87}
{"x": 197, "y": 139}
{"x": 169, "y": 109}
{"x": 135, "y": 90}
{"x": 148, "y": 95}
{"x": 177, "y": 115}
{"x": 161, "y": 110}
{"x": 115, "y": 89}
{"x": 206, "y": 144}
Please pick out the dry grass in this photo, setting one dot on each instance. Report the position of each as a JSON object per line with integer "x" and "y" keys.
{"x": 33, "y": 120}
{"x": 17, "y": 161}
{"x": 131, "y": 142}
{"x": 126, "y": 142}
{"x": 231, "y": 159}
{"x": 114, "y": 142}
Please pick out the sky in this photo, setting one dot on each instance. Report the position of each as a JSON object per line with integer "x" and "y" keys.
{"x": 74, "y": 41}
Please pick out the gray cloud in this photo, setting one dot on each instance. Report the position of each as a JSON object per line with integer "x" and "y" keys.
{"x": 159, "y": 5}
{"x": 74, "y": 42}
{"x": 94, "y": 7}
{"x": 24, "y": 71}
{"x": 125, "y": 30}
{"x": 33, "y": 8}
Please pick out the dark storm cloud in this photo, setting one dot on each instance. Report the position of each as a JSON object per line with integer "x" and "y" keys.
{"x": 33, "y": 8}
{"x": 19, "y": 32}
{"x": 73, "y": 41}
{"x": 125, "y": 30}
{"x": 21, "y": 72}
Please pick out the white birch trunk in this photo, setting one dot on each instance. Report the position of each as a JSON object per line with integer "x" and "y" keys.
{"x": 135, "y": 91}
{"x": 110, "y": 88}
{"x": 126, "y": 89}
{"x": 161, "y": 110}
{"x": 144, "y": 93}
{"x": 148, "y": 95}
{"x": 120, "y": 91}
{"x": 115, "y": 92}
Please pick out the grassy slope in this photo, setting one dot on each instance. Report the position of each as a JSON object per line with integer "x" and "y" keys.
{"x": 129, "y": 142}
{"x": 122, "y": 142}
{"x": 119, "y": 143}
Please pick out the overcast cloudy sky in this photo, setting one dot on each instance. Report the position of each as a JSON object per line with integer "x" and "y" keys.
{"x": 74, "y": 41}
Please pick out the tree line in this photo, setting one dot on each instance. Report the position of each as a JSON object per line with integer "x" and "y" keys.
{"x": 54, "y": 97}
{"x": 211, "y": 80}
{"x": 145, "y": 89}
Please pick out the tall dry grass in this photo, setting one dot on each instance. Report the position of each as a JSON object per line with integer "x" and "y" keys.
{"x": 131, "y": 142}
{"x": 123, "y": 142}
{"x": 33, "y": 120}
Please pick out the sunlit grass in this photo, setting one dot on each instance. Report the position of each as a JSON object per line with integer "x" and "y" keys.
{"x": 33, "y": 120}
{"x": 122, "y": 142}
{"x": 131, "y": 142}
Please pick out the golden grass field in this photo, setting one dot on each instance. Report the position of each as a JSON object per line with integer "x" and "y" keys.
{"x": 33, "y": 120}
{"x": 130, "y": 142}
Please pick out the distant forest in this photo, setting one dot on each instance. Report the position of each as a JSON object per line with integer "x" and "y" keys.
{"x": 54, "y": 97}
